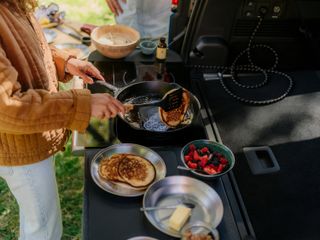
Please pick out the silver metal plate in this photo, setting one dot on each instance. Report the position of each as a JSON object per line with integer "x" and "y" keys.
{"x": 175, "y": 190}
{"x": 78, "y": 50}
{"x": 122, "y": 189}
{"x": 49, "y": 34}
{"x": 142, "y": 238}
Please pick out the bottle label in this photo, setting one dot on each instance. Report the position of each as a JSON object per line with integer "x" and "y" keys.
{"x": 161, "y": 53}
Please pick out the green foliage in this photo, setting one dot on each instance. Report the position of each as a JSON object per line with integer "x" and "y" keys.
{"x": 93, "y": 11}
{"x": 69, "y": 171}
{"x": 9, "y": 220}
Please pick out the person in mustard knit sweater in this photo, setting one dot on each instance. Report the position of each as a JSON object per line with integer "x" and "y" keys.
{"x": 35, "y": 118}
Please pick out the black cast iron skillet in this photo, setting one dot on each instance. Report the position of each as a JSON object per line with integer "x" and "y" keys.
{"x": 147, "y": 118}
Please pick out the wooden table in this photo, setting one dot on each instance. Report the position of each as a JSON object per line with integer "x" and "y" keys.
{"x": 65, "y": 38}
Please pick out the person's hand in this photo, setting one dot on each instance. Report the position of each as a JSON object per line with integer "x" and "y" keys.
{"x": 105, "y": 106}
{"x": 115, "y": 6}
{"x": 85, "y": 70}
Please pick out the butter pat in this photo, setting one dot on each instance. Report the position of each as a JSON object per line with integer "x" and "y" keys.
{"x": 179, "y": 217}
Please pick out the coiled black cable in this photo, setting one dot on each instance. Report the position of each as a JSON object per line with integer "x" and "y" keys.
{"x": 251, "y": 67}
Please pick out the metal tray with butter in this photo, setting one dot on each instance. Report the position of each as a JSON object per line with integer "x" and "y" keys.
{"x": 176, "y": 190}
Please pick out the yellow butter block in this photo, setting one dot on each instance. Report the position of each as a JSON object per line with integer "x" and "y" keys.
{"x": 179, "y": 217}
{"x": 44, "y": 21}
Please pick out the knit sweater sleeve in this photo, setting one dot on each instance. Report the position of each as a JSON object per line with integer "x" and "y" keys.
{"x": 38, "y": 110}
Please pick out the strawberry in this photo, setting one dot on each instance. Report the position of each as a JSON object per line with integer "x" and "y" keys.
{"x": 209, "y": 169}
{"x": 196, "y": 156}
{"x": 192, "y": 147}
{"x": 220, "y": 168}
{"x": 204, "y": 160}
{"x": 223, "y": 160}
{"x": 204, "y": 150}
{"x": 192, "y": 165}
{"x": 187, "y": 158}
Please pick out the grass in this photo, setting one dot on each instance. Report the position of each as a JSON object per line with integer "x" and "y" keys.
{"x": 69, "y": 168}
{"x": 9, "y": 226}
{"x": 69, "y": 172}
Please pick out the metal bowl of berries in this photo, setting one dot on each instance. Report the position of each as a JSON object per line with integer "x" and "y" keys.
{"x": 207, "y": 159}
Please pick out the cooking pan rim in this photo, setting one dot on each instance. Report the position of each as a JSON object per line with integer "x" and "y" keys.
{"x": 194, "y": 98}
{"x": 116, "y": 94}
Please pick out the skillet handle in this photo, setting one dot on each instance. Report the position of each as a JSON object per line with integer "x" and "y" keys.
{"x": 108, "y": 85}
{"x": 130, "y": 107}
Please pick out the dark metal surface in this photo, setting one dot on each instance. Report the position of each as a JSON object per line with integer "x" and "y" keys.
{"x": 110, "y": 217}
{"x": 236, "y": 202}
{"x": 135, "y": 56}
{"x": 273, "y": 201}
{"x": 106, "y": 216}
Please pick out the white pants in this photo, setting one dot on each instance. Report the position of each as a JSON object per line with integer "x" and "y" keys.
{"x": 35, "y": 189}
{"x": 150, "y": 17}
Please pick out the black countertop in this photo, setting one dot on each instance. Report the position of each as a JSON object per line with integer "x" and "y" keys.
{"x": 135, "y": 56}
{"x": 106, "y": 216}
{"x": 111, "y": 217}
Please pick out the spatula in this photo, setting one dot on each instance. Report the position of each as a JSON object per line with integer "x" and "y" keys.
{"x": 171, "y": 100}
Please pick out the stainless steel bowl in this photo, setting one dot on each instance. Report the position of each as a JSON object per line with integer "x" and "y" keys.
{"x": 122, "y": 189}
{"x": 199, "y": 228}
{"x": 176, "y": 190}
{"x": 142, "y": 238}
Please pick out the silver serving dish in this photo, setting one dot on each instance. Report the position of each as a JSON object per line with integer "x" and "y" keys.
{"x": 49, "y": 34}
{"x": 142, "y": 238}
{"x": 80, "y": 51}
{"x": 122, "y": 189}
{"x": 201, "y": 228}
{"x": 176, "y": 190}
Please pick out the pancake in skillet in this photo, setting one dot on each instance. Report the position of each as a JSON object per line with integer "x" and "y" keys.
{"x": 108, "y": 168}
{"x": 138, "y": 172}
{"x": 174, "y": 117}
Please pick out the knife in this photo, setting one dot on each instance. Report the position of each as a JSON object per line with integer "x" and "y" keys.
{"x": 83, "y": 39}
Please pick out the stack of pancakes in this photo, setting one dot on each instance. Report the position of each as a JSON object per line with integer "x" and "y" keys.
{"x": 174, "y": 117}
{"x": 131, "y": 169}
